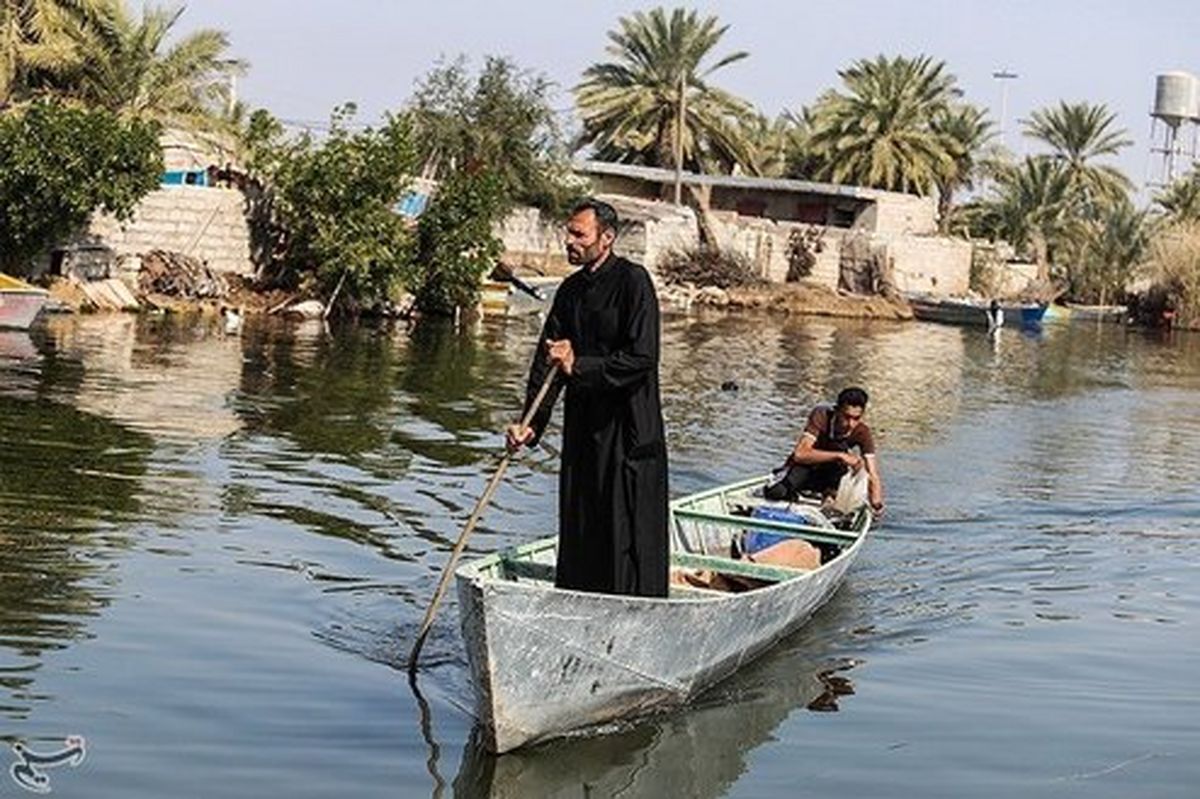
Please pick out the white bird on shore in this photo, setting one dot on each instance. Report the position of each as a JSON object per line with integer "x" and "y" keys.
{"x": 232, "y": 318}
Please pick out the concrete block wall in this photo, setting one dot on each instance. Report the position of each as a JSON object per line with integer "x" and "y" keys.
{"x": 208, "y": 223}
{"x": 765, "y": 243}
{"x": 930, "y": 264}
{"x": 532, "y": 241}
{"x": 661, "y": 236}
{"x": 648, "y": 230}
{"x": 895, "y": 214}
{"x": 1012, "y": 278}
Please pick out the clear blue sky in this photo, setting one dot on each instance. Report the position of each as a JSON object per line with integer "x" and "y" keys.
{"x": 307, "y": 56}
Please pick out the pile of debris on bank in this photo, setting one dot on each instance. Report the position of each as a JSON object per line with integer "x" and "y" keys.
{"x": 92, "y": 277}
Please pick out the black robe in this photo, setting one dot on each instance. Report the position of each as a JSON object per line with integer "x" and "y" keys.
{"x": 612, "y": 502}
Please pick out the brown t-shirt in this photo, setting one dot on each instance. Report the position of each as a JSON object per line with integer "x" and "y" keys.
{"x": 832, "y": 438}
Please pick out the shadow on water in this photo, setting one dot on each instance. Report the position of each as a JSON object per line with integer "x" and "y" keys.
{"x": 68, "y": 481}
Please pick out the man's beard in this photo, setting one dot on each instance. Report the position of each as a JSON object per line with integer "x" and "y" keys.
{"x": 583, "y": 256}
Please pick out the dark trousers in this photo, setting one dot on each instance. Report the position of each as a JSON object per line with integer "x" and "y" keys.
{"x": 818, "y": 478}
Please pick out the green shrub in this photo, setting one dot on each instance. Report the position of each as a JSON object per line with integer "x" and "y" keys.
{"x": 61, "y": 164}
{"x": 455, "y": 243}
{"x": 331, "y": 203}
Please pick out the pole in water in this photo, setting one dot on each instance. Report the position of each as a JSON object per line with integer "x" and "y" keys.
{"x": 460, "y": 545}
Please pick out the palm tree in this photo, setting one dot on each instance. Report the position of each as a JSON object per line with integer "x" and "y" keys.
{"x": 771, "y": 143}
{"x": 1114, "y": 244}
{"x": 655, "y": 93}
{"x": 1030, "y": 207}
{"x": 127, "y": 68}
{"x": 880, "y": 132}
{"x": 966, "y": 131}
{"x": 1078, "y": 134}
{"x": 38, "y": 40}
{"x": 1180, "y": 201}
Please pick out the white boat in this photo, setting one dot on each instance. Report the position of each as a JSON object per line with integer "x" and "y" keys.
{"x": 19, "y": 302}
{"x": 547, "y": 662}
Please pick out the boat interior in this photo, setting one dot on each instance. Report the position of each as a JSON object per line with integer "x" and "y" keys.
{"x": 706, "y": 529}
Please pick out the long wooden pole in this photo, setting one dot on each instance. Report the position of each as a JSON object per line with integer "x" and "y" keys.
{"x": 682, "y": 112}
{"x": 461, "y": 544}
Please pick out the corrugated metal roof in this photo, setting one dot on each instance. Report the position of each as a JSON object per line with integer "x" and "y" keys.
{"x": 658, "y": 175}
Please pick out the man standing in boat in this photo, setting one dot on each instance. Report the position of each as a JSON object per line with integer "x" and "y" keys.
{"x": 603, "y": 335}
{"x": 824, "y": 452}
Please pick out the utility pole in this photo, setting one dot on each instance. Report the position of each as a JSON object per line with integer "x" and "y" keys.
{"x": 232, "y": 99}
{"x": 1004, "y": 76}
{"x": 679, "y": 139}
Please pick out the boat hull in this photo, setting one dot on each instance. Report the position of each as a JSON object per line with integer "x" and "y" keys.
{"x": 1112, "y": 314}
{"x": 958, "y": 312}
{"x": 546, "y": 662}
{"x": 19, "y": 308}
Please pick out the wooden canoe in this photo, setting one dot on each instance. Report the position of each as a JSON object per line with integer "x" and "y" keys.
{"x": 547, "y": 662}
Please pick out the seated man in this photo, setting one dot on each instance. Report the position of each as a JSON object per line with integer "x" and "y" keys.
{"x": 823, "y": 453}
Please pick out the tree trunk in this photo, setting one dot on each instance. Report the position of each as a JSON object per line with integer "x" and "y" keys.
{"x": 700, "y": 197}
{"x": 1041, "y": 256}
{"x": 945, "y": 206}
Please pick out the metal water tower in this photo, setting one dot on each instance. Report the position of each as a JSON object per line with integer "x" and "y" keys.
{"x": 1174, "y": 124}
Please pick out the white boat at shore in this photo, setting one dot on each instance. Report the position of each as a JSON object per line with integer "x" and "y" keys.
{"x": 1112, "y": 314}
{"x": 547, "y": 662}
{"x": 19, "y": 302}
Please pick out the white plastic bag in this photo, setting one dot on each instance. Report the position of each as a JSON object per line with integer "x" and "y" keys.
{"x": 852, "y": 492}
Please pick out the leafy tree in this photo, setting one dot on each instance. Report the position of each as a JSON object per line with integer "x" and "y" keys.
{"x": 61, "y": 164}
{"x": 657, "y": 85}
{"x": 1180, "y": 202}
{"x": 455, "y": 243}
{"x": 332, "y": 202}
{"x": 1078, "y": 134}
{"x": 127, "y": 67}
{"x": 880, "y": 132}
{"x": 501, "y": 121}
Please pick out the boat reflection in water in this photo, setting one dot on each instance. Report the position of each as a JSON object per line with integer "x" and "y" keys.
{"x": 16, "y": 345}
{"x": 698, "y": 752}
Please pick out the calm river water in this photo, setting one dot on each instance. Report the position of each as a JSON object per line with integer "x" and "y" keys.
{"x": 215, "y": 551}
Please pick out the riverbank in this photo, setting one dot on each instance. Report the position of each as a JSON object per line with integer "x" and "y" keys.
{"x": 811, "y": 299}
{"x": 802, "y": 298}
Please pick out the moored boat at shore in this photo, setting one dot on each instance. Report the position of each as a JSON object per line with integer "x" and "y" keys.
{"x": 1115, "y": 314}
{"x": 548, "y": 662}
{"x": 958, "y": 311}
{"x": 19, "y": 302}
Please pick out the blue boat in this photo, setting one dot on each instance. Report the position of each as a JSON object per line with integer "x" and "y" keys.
{"x": 954, "y": 311}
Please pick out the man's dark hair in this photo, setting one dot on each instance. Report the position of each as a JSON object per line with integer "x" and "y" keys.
{"x": 853, "y": 397}
{"x": 606, "y": 215}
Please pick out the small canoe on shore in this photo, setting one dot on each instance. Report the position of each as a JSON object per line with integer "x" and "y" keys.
{"x": 1113, "y": 314}
{"x": 547, "y": 662}
{"x": 19, "y": 302}
{"x": 973, "y": 312}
